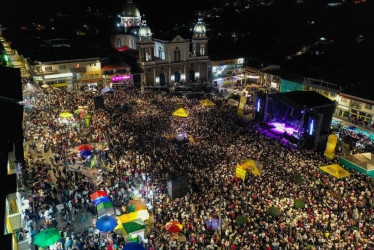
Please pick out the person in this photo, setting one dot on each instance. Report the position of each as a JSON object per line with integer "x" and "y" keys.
{"x": 67, "y": 243}
{"x": 83, "y": 217}
{"x": 54, "y": 222}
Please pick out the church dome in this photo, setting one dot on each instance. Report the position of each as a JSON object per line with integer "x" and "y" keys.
{"x": 130, "y": 10}
{"x": 199, "y": 27}
{"x": 144, "y": 29}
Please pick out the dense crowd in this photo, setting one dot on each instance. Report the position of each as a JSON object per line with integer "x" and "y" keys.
{"x": 338, "y": 213}
{"x": 359, "y": 141}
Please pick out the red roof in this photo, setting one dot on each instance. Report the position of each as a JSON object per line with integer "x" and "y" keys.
{"x": 123, "y": 48}
{"x": 115, "y": 66}
{"x": 356, "y": 99}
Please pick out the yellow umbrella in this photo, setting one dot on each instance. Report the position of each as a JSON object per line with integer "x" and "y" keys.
{"x": 335, "y": 170}
{"x": 252, "y": 166}
{"x": 181, "y": 112}
{"x": 45, "y": 86}
{"x": 207, "y": 102}
{"x": 66, "y": 115}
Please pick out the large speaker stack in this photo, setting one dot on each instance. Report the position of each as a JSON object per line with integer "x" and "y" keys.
{"x": 99, "y": 102}
{"x": 178, "y": 187}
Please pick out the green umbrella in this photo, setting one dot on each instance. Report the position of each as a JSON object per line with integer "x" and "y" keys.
{"x": 103, "y": 205}
{"x": 47, "y": 237}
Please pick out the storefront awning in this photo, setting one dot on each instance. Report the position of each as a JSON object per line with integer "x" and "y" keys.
{"x": 58, "y": 76}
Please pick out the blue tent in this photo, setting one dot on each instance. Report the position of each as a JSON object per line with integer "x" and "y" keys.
{"x": 85, "y": 153}
{"x": 101, "y": 199}
{"x": 133, "y": 246}
{"x": 107, "y": 90}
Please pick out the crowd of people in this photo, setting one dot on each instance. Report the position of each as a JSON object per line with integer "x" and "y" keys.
{"x": 359, "y": 141}
{"x": 137, "y": 152}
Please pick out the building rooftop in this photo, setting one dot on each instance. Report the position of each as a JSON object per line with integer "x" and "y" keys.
{"x": 285, "y": 75}
{"x": 48, "y": 54}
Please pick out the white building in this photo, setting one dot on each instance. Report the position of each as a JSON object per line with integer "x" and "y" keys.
{"x": 163, "y": 61}
{"x": 65, "y": 72}
{"x": 351, "y": 106}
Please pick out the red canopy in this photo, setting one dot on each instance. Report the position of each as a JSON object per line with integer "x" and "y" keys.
{"x": 84, "y": 147}
{"x": 98, "y": 194}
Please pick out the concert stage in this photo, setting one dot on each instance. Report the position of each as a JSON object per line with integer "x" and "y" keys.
{"x": 281, "y": 128}
{"x": 302, "y": 118}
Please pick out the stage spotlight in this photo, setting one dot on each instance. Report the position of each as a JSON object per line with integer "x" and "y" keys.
{"x": 258, "y": 105}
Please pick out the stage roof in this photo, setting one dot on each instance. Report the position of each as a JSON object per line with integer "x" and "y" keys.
{"x": 300, "y": 99}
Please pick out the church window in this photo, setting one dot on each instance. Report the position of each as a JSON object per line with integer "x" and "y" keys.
{"x": 177, "y": 55}
{"x": 147, "y": 55}
{"x": 202, "y": 50}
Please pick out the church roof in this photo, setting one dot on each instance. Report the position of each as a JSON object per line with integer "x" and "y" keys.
{"x": 144, "y": 30}
{"x": 130, "y": 10}
{"x": 200, "y": 27}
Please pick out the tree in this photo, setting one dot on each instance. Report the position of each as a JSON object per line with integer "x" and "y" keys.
{"x": 240, "y": 220}
{"x": 298, "y": 179}
{"x": 299, "y": 203}
{"x": 274, "y": 211}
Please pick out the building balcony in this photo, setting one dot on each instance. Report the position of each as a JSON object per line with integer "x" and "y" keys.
{"x": 192, "y": 57}
{"x": 355, "y": 106}
{"x": 14, "y": 212}
{"x": 78, "y": 70}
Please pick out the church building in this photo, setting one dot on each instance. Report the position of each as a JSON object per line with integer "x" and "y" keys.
{"x": 163, "y": 61}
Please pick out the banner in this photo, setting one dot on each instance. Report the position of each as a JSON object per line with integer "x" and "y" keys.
{"x": 243, "y": 100}
{"x": 330, "y": 147}
{"x": 93, "y": 161}
{"x": 213, "y": 223}
{"x": 240, "y": 173}
{"x": 87, "y": 122}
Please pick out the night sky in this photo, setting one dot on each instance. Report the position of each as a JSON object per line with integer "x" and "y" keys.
{"x": 15, "y": 12}
{"x": 270, "y": 34}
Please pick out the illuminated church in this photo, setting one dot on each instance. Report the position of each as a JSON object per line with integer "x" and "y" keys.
{"x": 163, "y": 61}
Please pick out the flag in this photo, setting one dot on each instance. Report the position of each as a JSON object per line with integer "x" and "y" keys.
{"x": 330, "y": 147}
{"x": 240, "y": 111}
{"x": 240, "y": 172}
{"x": 93, "y": 161}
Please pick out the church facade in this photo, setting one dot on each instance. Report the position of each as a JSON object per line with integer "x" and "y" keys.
{"x": 162, "y": 61}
